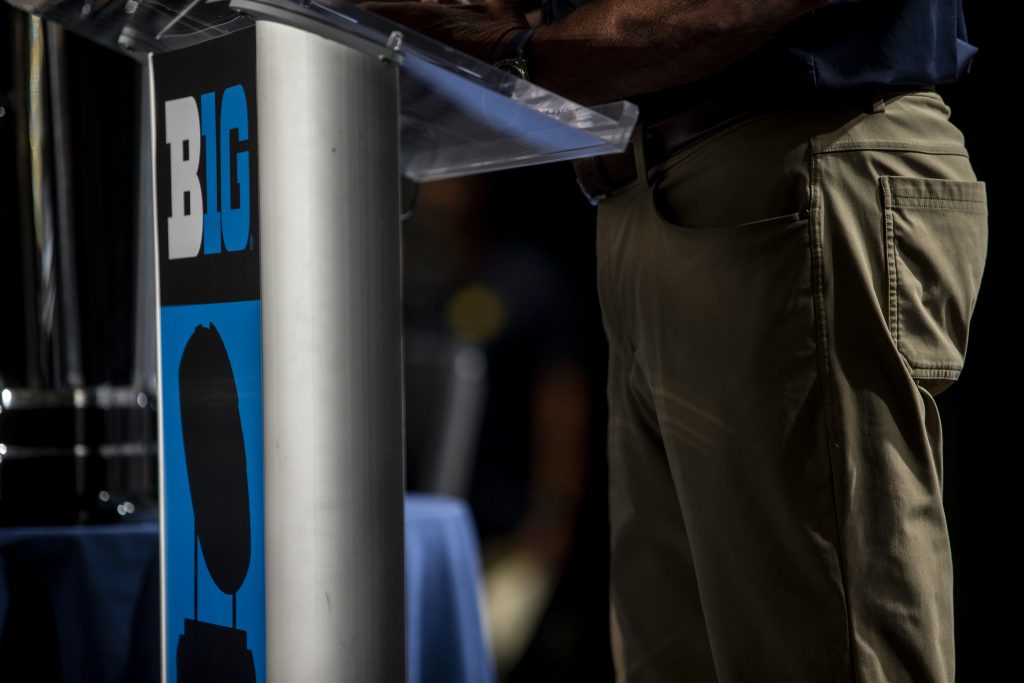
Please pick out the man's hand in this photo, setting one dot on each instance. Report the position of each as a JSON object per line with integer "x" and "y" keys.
{"x": 482, "y": 29}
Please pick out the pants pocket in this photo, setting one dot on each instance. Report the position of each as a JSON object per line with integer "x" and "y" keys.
{"x": 936, "y": 237}
{"x": 669, "y": 216}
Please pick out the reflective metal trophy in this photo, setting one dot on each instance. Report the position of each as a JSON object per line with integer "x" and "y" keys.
{"x": 280, "y": 131}
{"x": 77, "y": 334}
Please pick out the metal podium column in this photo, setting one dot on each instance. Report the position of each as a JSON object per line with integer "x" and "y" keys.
{"x": 332, "y": 359}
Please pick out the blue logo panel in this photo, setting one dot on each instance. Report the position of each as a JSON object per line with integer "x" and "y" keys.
{"x": 213, "y": 491}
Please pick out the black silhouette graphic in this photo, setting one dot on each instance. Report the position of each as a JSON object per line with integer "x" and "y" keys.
{"x": 217, "y": 479}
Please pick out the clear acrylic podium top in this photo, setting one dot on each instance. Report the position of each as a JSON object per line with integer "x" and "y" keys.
{"x": 458, "y": 115}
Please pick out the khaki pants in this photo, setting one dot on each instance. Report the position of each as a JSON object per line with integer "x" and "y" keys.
{"x": 783, "y": 300}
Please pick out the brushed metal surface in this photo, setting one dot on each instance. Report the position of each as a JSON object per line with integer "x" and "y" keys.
{"x": 332, "y": 363}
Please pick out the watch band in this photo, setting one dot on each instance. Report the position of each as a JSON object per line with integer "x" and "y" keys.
{"x": 513, "y": 60}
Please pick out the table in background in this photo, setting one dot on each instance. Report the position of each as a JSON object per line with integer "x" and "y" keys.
{"x": 82, "y": 603}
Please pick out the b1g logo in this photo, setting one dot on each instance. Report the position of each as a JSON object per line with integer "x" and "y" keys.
{"x": 224, "y": 226}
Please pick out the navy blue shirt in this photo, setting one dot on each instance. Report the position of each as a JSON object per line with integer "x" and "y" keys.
{"x": 852, "y": 43}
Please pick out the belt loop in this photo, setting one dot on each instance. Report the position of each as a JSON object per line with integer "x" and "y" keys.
{"x": 639, "y": 155}
{"x": 878, "y": 104}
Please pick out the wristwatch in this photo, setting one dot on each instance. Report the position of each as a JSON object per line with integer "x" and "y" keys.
{"x": 513, "y": 60}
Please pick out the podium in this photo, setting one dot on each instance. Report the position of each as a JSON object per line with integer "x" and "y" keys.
{"x": 280, "y": 130}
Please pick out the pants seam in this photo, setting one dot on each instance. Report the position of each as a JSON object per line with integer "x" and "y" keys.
{"x": 891, "y": 262}
{"x": 832, "y": 432}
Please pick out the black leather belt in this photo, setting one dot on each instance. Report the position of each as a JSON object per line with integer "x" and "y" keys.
{"x": 703, "y": 112}
{"x": 597, "y": 176}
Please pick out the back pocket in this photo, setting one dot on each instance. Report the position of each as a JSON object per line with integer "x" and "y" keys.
{"x": 936, "y": 237}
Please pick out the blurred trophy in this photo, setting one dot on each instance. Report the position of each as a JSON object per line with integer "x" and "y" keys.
{"x": 77, "y": 304}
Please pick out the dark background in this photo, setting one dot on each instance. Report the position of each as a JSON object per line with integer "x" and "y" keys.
{"x": 979, "y": 412}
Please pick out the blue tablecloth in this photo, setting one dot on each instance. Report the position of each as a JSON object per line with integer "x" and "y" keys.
{"x": 442, "y": 576}
{"x": 82, "y": 603}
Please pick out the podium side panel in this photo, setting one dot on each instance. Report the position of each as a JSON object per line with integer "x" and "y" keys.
{"x": 206, "y": 218}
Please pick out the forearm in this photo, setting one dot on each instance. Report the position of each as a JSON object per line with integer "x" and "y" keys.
{"x": 610, "y": 49}
{"x": 613, "y": 49}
